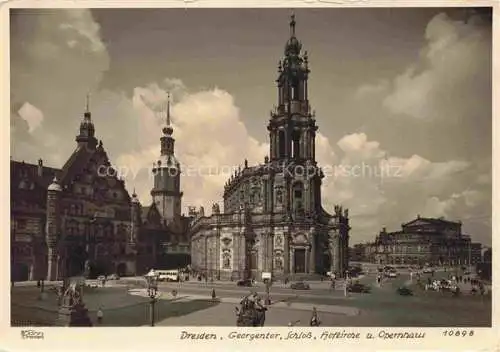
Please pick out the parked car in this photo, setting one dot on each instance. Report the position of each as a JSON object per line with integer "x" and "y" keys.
{"x": 428, "y": 270}
{"x": 404, "y": 291}
{"x": 113, "y": 277}
{"x": 299, "y": 286}
{"x": 101, "y": 277}
{"x": 358, "y": 288}
{"x": 391, "y": 274}
{"x": 244, "y": 283}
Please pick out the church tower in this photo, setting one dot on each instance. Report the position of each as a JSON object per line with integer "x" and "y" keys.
{"x": 86, "y": 137}
{"x": 166, "y": 190}
{"x": 292, "y": 131}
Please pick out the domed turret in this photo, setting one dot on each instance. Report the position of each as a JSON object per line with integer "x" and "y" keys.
{"x": 134, "y": 198}
{"x": 86, "y": 137}
{"x": 54, "y": 186}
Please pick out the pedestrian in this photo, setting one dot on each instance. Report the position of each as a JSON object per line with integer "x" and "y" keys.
{"x": 100, "y": 316}
{"x": 315, "y": 319}
{"x": 345, "y": 288}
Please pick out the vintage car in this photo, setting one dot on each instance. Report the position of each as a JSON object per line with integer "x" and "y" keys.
{"x": 404, "y": 291}
{"x": 391, "y": 274}
{"x": 358, "y": 288}
{"x": 300, "y": 285}
{"x": 244, "y": 283}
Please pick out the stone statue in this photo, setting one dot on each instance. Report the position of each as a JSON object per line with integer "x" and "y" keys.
{"x": 246, "y": 163}
{"x": 86, "y": 269}
{"x": 279, "y": 196}
{"x": 201, "y": 212}
{"x": 346, "y": 213}
{"x": 251, "y": 312}
{"x": 215, "y": 208}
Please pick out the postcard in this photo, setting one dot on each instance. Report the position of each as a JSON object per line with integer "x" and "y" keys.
{"x": 311, "y": 174}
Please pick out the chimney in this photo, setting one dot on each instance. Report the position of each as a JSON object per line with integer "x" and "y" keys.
{"x": 40, "y": 167}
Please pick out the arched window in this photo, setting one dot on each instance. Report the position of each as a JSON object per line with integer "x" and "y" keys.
{"x": 296, "y": 144}
{"x": 298, "y": 193}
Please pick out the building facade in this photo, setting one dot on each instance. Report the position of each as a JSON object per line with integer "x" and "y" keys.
{"x": 81, "y": 217}
{"x": 273, "y": 220}
{"x": 424, "y": 241}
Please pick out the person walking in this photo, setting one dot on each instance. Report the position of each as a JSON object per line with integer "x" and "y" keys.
{"x": 100, "y": 316}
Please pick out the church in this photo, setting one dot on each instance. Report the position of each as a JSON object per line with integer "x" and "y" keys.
{"x": 81, "y": 218}
{"x": 273, "y": 221}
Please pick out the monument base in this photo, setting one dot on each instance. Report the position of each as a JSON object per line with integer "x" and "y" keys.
{"x": 76, "y": 315}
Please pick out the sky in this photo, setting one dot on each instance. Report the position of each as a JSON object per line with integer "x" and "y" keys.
{"x": 402, "y": 100}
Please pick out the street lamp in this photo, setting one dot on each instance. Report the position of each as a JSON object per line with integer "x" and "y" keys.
{"x": 90, "y": 239}
{"x": 268, "y": 288}
{"x": 153, "y": 296}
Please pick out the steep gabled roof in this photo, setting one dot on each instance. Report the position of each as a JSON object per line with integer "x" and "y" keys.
{"x": 29, "y": 173}
{"x": 153, "y": 216}
{"x": 75, "y": 163}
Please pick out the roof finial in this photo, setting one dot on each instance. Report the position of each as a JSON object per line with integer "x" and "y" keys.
{"x": 87, "y": 103}
{"x": 292, "y": 24}
{"x": 168, "y": 109}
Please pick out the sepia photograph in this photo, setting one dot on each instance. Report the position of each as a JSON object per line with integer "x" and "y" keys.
{"x": 251, "y": 167}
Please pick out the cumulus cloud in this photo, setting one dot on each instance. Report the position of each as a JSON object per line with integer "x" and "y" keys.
{"x": 57, "y": 57}
{"x": 454, "y": 68}
{"x": 31, "y": 115}
{"x": 384, "y": 191}
{"x": 449, "y": 89}
{"x": 61, "y": 57}
{"x": 211, "y": 140}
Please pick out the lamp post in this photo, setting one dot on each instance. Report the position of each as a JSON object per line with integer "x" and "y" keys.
{"x": 268, "y": 288}
{"x": 153, "y": 296}
{"x": 90, "y": 240}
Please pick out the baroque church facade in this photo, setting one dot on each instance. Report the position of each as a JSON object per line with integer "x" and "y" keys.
{"x": 80, "y": 218}
{"x": 273, "y": 220}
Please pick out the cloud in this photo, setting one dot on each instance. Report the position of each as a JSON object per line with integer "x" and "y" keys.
{"x": 31, "y": 115}
{"x": 210, "y": 141}
{"x": 449, "y": 81}
{"x": 64, "y": 57}
{"x": 57, "y": 57}
{"x": 382, "y": 190}
{"x": 448, "y": 91}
